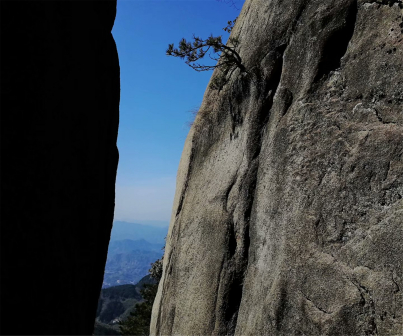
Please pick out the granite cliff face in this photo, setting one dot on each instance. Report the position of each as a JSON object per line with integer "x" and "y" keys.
{"x": 288, "y": 214}
{"x": 59, "y": 121}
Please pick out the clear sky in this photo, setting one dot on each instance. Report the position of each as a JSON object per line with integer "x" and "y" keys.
{"x": 157, "y": 94}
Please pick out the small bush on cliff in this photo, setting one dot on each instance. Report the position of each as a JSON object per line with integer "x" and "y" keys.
{"x": 138, "y": 323}
{"x": 226, "y": 55}
{"x": 156, "y": 270}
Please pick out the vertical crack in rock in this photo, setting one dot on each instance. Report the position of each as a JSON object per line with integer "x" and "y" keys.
{"x": 231, "y": 240}
{"x": 336, "y": 45}
{"x": 237, "y": 265}
{"x": 269, "y": 93}
{"x": 281, "y": 307}
{"x": 182, "y": 197}
{"x": 229, "y": 189}
{"x": 234, "y": 302}
{"x": 300, "y": 12}
{"x": 368, "y": 302}
{"x": 219, "y": 282}
{"x": 397, "y": 290}
{"x": 239, "y": 240}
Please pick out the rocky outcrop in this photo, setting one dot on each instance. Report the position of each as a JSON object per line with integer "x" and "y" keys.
{"x": 288, "y": 214}
{"x": 59, "y": 121}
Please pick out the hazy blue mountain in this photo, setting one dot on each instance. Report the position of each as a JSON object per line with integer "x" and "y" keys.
{"x": 128, "y": 267}
{"x": 153, "y": 223}
{"x": 128, "y": 245}
{"x": 134, "y": 231}
{"x": 132, "y": 249}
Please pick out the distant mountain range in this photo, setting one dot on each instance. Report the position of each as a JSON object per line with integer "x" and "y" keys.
{"x": 132, "y": 249}
{"x": 134, "y": 231}
{"x": 128, "y": 245}
{"x": 128, "y": 267}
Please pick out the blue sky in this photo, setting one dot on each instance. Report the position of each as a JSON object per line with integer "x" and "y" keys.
{"x": 157, "y": 94}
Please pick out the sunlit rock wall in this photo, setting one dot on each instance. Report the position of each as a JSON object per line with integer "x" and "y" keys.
{"x": 59, "y": 121}
{"x": 288, "y": 214}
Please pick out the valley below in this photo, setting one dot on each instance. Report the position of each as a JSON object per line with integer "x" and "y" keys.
{"x": 132, "y": 249}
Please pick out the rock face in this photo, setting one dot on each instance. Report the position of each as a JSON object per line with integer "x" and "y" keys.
{"x": 288, "y": 214}
{"x": 59, "y": 120}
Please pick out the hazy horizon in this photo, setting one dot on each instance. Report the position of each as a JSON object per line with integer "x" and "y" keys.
{"x": 155, "y": 223}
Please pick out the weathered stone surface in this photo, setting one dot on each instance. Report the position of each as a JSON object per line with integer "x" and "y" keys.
{"x": 59, "y": 120}
{"x": 288, "y": 214}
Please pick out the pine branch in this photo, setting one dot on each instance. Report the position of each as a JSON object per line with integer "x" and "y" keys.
{"x": 192, "y": 51}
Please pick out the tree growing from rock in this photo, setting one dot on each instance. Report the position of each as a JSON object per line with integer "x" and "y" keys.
{"x": 226, "y": 56}
{"x": 156, "y": 269}
{"x": 138, "y": 323}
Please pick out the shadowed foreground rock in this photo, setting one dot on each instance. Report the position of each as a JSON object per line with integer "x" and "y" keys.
{"x": 59, "y": 121}
{"x": 288, "y": 214}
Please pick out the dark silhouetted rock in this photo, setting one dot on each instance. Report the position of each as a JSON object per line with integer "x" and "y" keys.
{"x": 59, "y": 121}
{"x": 288, "y": 214}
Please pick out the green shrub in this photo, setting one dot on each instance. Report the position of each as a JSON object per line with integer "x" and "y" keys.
{"x": 138, "y": 323}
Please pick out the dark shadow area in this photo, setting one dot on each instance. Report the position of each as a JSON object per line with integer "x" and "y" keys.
{"x": 336, "y": 45}
{"x": 59, "y": 122}
{"x": 269, "y": 92}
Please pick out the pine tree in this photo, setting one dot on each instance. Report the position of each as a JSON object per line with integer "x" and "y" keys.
{"x": 226, "y": 55}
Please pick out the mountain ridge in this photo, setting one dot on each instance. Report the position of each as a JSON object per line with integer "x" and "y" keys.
{"x": 134, "y": 231}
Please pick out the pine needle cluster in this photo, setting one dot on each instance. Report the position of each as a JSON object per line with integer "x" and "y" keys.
{"x": 226, "y": 56}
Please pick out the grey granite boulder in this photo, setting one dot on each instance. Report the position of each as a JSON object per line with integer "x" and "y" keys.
{"x": 288, "y": 214}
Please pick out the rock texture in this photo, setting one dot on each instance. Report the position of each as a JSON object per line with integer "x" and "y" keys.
{"x": 288, "y": 214}
{"x": 59, "y": 121}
